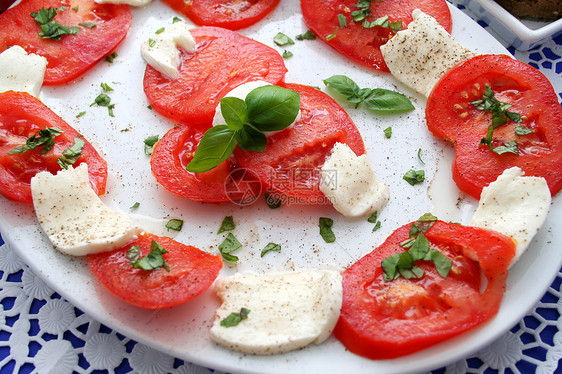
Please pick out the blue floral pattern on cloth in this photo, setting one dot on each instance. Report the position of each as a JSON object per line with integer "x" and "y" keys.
{"x": 42, "y": 333}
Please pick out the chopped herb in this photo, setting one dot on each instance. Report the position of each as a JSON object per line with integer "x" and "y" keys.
{"x": 174, "y": 224}
{"x": 373, "y": 217}
{"x": 342, "y": 21}
{"x": 376, "y": 99}
{"x": 176, "y": 20}
{"x": 44, "y": 139}
{"x": 419, "y": 156}
{"x": 104, "y": 100}
{"x": 414, "y": 176}
{"x": 281, "y": 39}
{"x": 287, "y": 54}
{"x": 160, "y": 30}
{"x": 229, "y": 245}
{"x": 308, "y": 35}
{"x": 227, "y": 224}
{"x": 111, "y": 57}
{"x": 234, "y": 319}
{"x": 151, "y": 42}
{"x": 377, "y": 226}
{"x": 70, "y": 155}
{"x": 149, "y": 107}
{"x": 75, "y": 8}
{"x": 388, "y": 132}
{"x": 270, "y": 247}
{"x": 522, "y": 130}
{"x": 51, "y": 29}
{"x": 135, "y": 205}
{"x": 332, "y": 35}
{"x": 325, "y": 224}
{"x": 272, "y": 202}
{"x": 80, "y": 114}
{"x": 88, "y": 25}
{"x": 509, "y": 147}
{"x": 149, "y": 144}
{"x": 152, "y": 261}
{"x": 106, "y": 87}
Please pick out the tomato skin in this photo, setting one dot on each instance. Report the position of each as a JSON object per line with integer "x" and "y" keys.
{"x": 357, "y": 42}
{"x": 382, "y": 320}
{"x": 192, "y": 271}
{"x": 451, "y": 116}
{"x": 22, "y": 115}
{"x": 17, "y": 27}
{"x": 222, "y": 61}
{"x": 229, "y": 14}
{"x": 173, "y": 152}
{"x": 293, "y": 157}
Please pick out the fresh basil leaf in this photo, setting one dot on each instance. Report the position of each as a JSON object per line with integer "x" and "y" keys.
{"x": 229, "y": 245}
{"x": 106, "y": 87}
{"x": 412, "y": 272}
{"x": 383, "y": 100}
{"x": 325, "y": 224}
{"x": 152, "y": 261}
{"x": 373, "y": 218}
{"x": 80, "y": 114}
{"x": 233, "y": 319}
{"x": 377, "y": 226}
{"x": 287, "y": 54}
{"x": 388, "y": 132}
{"x": 272, "y": 202}
{"x": 343, "y": 85}
{"x": 250, "y": 139}
{"x": 70, "y": 155}
{"x": 135, "y": 205}
{"x": 88, "y": 25}
{"x": 522, "y": 130}
{"x": 419, "y": 249}
{"x": 332, "y": 35}
{"x": 515, "y": 117}
{"x": 43, "y": 138}
{"x": 234, "y": 112}
{"x": 149, "y": 144}
{"x": 174, "y": 224}
{"x": 390, "y": 267}
{"x": 111, "y": 57}
{"x": 442, "y": 263}
{"x": 395, "y": 26}
{"x": 308, "y": 35}
{"x": 281, "y": 39}
{"x": 424, "y": 223}
{"x": 342, "y": 21}
{"x": 160, "y": 30}
{"x": 419, "y": 156}
{"x": 43, "y": 15}
{"x": 381, "y": 21}
{"x": 272, "y": 108}
{"x": 176, "y": 20}
{"x": 509, "y": 147}
{"x": 227, "y": 224}
{"x": 217, "y": 145}
{"x": 270, "y": 247}
{"x": 414, "y": 176}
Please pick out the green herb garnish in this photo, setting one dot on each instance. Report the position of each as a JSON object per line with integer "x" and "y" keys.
{"x": 308, "y": 35}
{"x": 135, "y": 205}
{"x": 152, "y": 261}
{"x": 234, "y": 319}
{"x": 104, "y": 100}
{"x": 414, "y": 176}
{"x": 111, "y": 57}
{"x": 388, "y": 132}
{"x": 70, "y": 155}
{"x": 80, "y": 114}
{"x": 88, "y": 25}
{"x": 229, "y": 245}
{"x": 272, "y": 202}
{"x": 325, "y": 224}
{"x": 281, "y": 39}
{"x": 287, "y": 54}
{"x": 270, "y": 247}
{"x": 174, "y": 224}
{"x": 44, "y": 139}
{"x": 106, "y": 87}
{"x": 51, "y": 29}
{"x": 149, "y": 144}
{"x": 227, "y": 224}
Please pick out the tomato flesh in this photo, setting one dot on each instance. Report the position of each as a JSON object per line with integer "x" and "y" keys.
{"x": 387, "y": 319}
{"x": 222, "y": 61}
{"x": 293, "y": 157}
{"x": 192, "y": 271}
{"x": 229, "y": 14}
{"x": 17, "y": 27}
{"x": 226, "y": 182}
{"x": 451, "y": 116}
{"x": 357, "y": 42}
{"x": 21, "y": 116}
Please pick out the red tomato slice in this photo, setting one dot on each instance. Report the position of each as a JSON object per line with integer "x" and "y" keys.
{"x": 293, "y": 157}
{"x": 21, "y": 116}
{"x": 451, "y": 116}
{"x": 192, "y": 271}
{"x": 230, "y": 14}
{"x": 73, "y": 54}
{"x": 226, "y": 182}
{"x": 357, "y": 42}
{"x": 381, "y": 319}
{"x": 223, "y": 60}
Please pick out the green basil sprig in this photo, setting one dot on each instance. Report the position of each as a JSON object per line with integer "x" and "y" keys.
{"x": 376, "y": 99}
{"x": 266, "y": 108}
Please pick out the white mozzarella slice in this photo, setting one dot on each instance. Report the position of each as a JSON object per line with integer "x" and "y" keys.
{"x": 350, "y": 183}
{"x": 20, "y": 71}
{"x": 420, "y": 55}
{"x": 129, "y": 2}
{"x": 515, "y": 206}
{"x": 161, "y": 51}
{"x": 288, "y": 311}
{"x": 74, "y": 218}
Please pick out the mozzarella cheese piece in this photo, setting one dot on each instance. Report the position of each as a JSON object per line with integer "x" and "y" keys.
{"x": 350, "y": 183}
{"x": 74, "y": 218}
{"x": 241, "y": 92}
{"x": 420, "y": 55}
{"x": 20, "y": 71}
{"x": 515, "y": 206}
{"x": 129, "y": 2}
{"x": 161, "y": 51}
{"x": 288, "y": 311}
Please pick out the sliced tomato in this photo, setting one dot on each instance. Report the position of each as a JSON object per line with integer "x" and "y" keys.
{"x": 229, "y": 14}
{"x": 21, "y": 116}
{"x": 293, "y": 157}
{"x": 357, "y": 42}
{"x": 386, "y": 319}
{"x": 450, "y": 115}
{"x": 73, "y": 54}
{"x": 222, "y": 61}
{"x": 192, "y": 271}
{"x": 226, "y": 182}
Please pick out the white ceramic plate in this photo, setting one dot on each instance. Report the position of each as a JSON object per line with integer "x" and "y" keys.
{"x": 183, "y": 331}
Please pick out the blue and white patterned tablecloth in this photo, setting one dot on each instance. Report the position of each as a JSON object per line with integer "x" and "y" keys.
{"x": 42, "y": 333}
